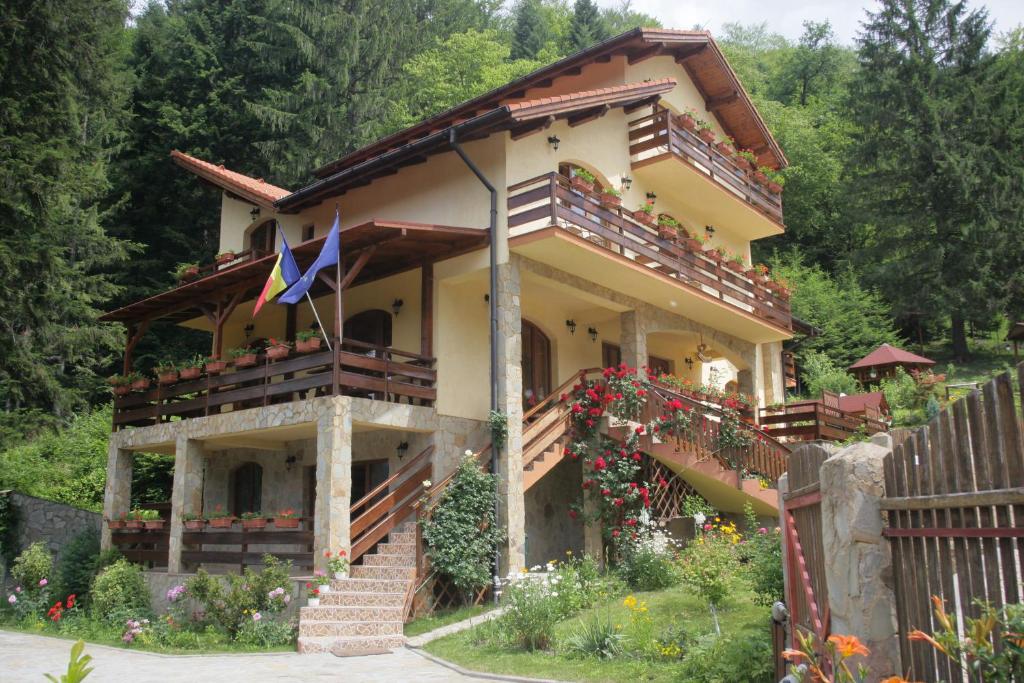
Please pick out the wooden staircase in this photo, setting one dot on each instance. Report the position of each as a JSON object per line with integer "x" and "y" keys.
{"x": 546, "y": 429}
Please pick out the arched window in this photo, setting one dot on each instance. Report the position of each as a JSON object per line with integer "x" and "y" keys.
{"x": 372, "y": 327}
{"x": 536, "y": 364}
{"x": 246, "y": 488}
{"x": 263, "y": 238}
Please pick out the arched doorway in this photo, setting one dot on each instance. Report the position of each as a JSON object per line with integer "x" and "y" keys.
{"x": 263, "y": 238}
{"x": 372, "y": 327}
{"x": 536, "y": 364}
{"x": 246, "y": 489}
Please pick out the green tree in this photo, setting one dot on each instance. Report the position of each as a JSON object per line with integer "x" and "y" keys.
{"x": 531, "y": 32}
{"x": 623, "y": 17}
{"x": 62, "y": 109}
{"x": 812, "y": 66}
{"x": 587, "y": 27}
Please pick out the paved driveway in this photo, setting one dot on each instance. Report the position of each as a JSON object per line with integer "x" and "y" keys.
{"x": 25, "y": 657}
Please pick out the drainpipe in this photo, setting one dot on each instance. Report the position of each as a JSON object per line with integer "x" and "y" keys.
{"x": 493, "y": 228}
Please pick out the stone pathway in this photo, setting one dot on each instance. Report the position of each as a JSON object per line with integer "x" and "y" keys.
{"x": 25, "y": 657}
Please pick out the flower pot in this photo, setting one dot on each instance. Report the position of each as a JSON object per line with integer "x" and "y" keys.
{"x": 611, "y": 199}
{"x": 141, "y": 384}
{"x": 154, "y": 524}
{"x": 707, "y": 135}
{"x": 743, "y": 164}
{"x": 735, "y": 267}
{"x": 341, "y": 575}
{"x": 169, "y": 377}
{"x": 195, "y": 524}
{"x": 667, "y": 232}
{"x": 313, "y": 602}
{"x": 774, "y": 187}
{"x": 751, "y": 274}
{"x": 115, "y": 523}
{"x": 725, "y": 149}
{"x": 189, "y": 274}
{"x": 581, "y": 185}
{"x": 307, "y": 346}
{"x": 693, "y": 245}
{"x": 277, "y": 352}
{"x": 226, "y": 258}
{"x": 259, "y": 523}
{"x": 759, "y": 177}
{"x": 190, "y": 374}
{"x": 133, "y": 524}
{"x": 215, "y": 367}
{"x": 246, "y": 361}
{"x": 286, "y": 522}
{"x": 324, "y": 588}
{"x": 688, "y": 122}
{"x": 121, "y": 390}
{"x": 222, "y": 522}
{"x": 644, "y": 217}
{"x": 713, "y": 255}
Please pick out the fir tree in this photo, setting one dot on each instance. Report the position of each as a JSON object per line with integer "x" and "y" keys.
{"x": 587, "y": 27}
{"x": 531, "y": 32}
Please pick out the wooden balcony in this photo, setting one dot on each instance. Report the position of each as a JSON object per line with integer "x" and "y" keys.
{"x": 819, "y": 420}
{"x": 361, "y": 370}
{"x": 660, "y": 136}
{"x": 548, "y": 201}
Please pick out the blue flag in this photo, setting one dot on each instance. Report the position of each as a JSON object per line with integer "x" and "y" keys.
{"x": 328, "y": 257}
{"x": 282, "y": 276}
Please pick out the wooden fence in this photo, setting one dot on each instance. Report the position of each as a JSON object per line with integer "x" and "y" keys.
{"x": 954, "y": 496}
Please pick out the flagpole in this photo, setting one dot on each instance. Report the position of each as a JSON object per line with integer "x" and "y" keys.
{"x": 317, "y": 315}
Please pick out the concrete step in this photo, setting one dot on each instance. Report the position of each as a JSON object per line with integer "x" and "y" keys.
{"x": 370, "y": 585}
{"x": 402, "y": 537}
{"x": 389, "y": 561}
{"x": 351, "y": 628}
{"x": 362, "y": 599}
{"x": 385, "y": 573}
{"x": 347, "y": 613}
{"x": 350, "y": 645}
{"x": 392, "y": 548}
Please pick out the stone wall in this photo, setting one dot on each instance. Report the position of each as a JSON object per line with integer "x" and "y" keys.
{"x": 55, "y": 524}
{"x": 550, "y": 532}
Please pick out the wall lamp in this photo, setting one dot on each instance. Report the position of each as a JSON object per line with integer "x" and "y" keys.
{"x": 289, "y": 462}
{"x": 571, "y": 324}
{"x": 689, "y": 363}
{"x": 627, "y": 182}
{"x": 554, "y": 142}
{"x": 592, "y": 331}
{"x": 255, "y": 213}
{"x": 651, "y": 197}
{"x": 402, "y": 449}
{"x": 249, "y": 330}
{"x": 396, "y": 306}
{"x": 709, "y": 230}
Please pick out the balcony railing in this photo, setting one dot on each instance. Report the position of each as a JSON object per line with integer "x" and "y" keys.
{"x": 814, "y": 420}
{"x": 362, "y": 370}
{"x": 548, "y": 200}
{"x": 661, "y": 132}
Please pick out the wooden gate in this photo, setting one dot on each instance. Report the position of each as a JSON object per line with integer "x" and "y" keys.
{"x": 807, "y": 589}
{"x": 955, "y": 518}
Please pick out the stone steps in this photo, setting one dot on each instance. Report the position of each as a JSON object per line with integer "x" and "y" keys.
{"x": 362, "y": 599}
{"x": 388, "y": 561}
{"x": 368, "y": 585}
{"x": 351, "y": 613}
{"x": 351, "y": 646}
{"x": 388, "y": 573}
{"x": 350, "y": 628}
{"x": 404, "y": 549}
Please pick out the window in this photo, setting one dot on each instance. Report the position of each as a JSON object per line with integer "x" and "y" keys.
{"x": 372, "y": 327}
{"x": 246, "y": 489}
{"x": 536, "y": 365}
{"x": 307, "y": 232}
{"x": 263, "y": 238}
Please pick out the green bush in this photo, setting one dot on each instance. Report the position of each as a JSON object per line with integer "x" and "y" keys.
{"x": 77, "y": 567}
{"x": 120, "y": 591}
{"x": 597, "y": 637}
{"x": 649, "y": 565}
{"x": 764, "y": 566}
{"x": 901, "y": 391}
{"x": 744, "y": 657}
{"x": 707, "y": 564}
{"x": 231, "y": 603}
{"x": 33, "y": 569}
{"x": 265, "y": 632}
{"x": 575, "y": 581}
{"x": 531, "y": 612}
{"x": 822, "y": 374}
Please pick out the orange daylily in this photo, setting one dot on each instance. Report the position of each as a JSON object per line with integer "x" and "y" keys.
{"x": 793, "y": 655}
{"x": 920, "y": 636}
{"x": 895, "y": 679}
{"x": 847, "y": 646}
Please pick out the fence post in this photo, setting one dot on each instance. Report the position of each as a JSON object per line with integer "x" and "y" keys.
{"x": 858, "y": 563}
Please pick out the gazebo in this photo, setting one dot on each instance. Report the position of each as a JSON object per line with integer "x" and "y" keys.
{"x": 1016, "y": 335}
{"x": 883, "y": 361}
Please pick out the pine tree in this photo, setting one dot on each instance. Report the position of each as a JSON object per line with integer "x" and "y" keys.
{"x": 62, "y": 109}
{"x": 587, "y": 27}
{"x": 531, "y": 32}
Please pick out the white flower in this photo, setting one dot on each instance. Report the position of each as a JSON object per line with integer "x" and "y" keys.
{"x": 469, "y": 452}
{"x": 427, "y": 483}
{"x": 554, "y": 594}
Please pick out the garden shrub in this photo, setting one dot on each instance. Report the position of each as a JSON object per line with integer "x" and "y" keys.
{"x": 822, "y": 374}
{"x": 531, "y": 612}
{"x": 649, "y": 564}
{"x": 264, "y": 632}
{"x": 233, "y": 603}
{"x": 77, "y": 566}
{"x": 576, "y": 581}
{"x": 461, "y": 533}
{"x": 742, "y": 657}
{"x": 706, "y": 566}
{"x": 764, "y": 566}
{"x": 597, "y": 637}
{"x": 33, "y": 568}
{"x": 120, "y": 592}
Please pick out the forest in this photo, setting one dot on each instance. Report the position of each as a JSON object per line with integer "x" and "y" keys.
{"x": 904, "y": 196}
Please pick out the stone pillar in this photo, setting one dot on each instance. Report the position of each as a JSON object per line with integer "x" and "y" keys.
{"x": 117, "y": 495}
{"x": 774, "y": 382}
{"x": 858, "y": 564}
{"x": 186, "y": 494}
{"x": 333, "y": 480}
{"x": 633, "y": 339}
{"x": 511, "y": 505}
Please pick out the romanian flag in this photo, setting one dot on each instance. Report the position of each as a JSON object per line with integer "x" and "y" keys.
{"x": 284, "y": 274}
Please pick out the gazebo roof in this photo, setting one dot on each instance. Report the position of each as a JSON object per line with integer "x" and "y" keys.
{"x": 1016, "y": 332}
{"x": 887, "y": 354}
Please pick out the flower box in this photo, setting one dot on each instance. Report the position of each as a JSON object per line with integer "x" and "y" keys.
{"x": 707, "y": 135}
{"x": 215, "y": 367}
{"x": 169, "y": 377}
{"x": 133, "y": 524}
{"x": 693, "y": 245}
{"x": 313, "y": 602}
{"x": 609, "y": 199}
{"x": 286, "y": 522}
{"x": 325, "y": 588}
{"x": 121, "y": 389}
{"x": 194, "y": 524}
{"x": 724, "y": 148}
{"x": 245, "y": 361}
{"x": 140, "y": 384}
{"x": 115, "y": 523}
{"x": 225, "y": 258}
{"x": 752, "y": 274}
{"x": 581, "y": 185}
{"x": 687, "y": 122}
{"x": 735, "y": 267}
{"x": 221, "y": 522}
{"x": 644, "y": 217}
{"x": 342, "y": 575}
{"x": 153, "y": 524}
{"x": 308, "y": 345}
{"x": 667, "y": 232}
{"x": 759, "y": 177}
{"x": 774, "y": 187}
{"x": 187, "y": 374}
{"x": 189, "y": 274}
{"x": 277, "y": 352}
{"x": 743, "y": 164}
{"x": 256, "y": 523}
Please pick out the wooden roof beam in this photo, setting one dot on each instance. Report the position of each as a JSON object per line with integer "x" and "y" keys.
{"x": 630, "y": 108}
{"x": 683, "y": 58}
{"x": 530, "y": 129}
{"x": 647, "y": 53}
{"x": 589, "y": 115}
{"x": 716, "y": 103}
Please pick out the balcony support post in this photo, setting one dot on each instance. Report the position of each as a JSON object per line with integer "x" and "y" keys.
{"x": 427, "y": 309}
{"x": 117, "y": 495}
{"x": 186, "y": 494}
{"x": 331, "y": 521}
{"x": 633, "y": 337}
{"x": 135, "y": 333}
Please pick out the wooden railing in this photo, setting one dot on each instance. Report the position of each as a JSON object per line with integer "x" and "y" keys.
{"x": 816, "y": 421}
{"x": 241, "y": 541}
{"x": 363, "y": 370}
{"x": 548, "y": 200}
{"x": 147, "y": 547}
{"x": 661, "y": 132}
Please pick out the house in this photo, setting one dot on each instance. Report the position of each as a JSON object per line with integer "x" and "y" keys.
{"x": 479, "y": 271}
{"x": 883, "y": 361}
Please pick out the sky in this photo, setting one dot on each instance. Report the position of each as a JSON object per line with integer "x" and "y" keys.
{"x": 786, "y": 16}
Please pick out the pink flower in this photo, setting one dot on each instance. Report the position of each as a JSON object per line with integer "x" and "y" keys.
{"x": 256, "y": 616}
{"x": 708, "y": 527}
{"x": 12, "y": 598}
{"x": 762, "y": 531}
{"x": 43, "y": 582}
{"x": 599, "y": 463}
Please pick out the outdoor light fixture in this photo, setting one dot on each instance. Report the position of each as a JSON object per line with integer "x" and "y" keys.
{"x": 571, "y": 324}
{"x": 553, "y": 141}
{"x": 627, "y": 182}
{"x": 255, "y": 213}
{"x": 873, "y": 373}
{"x": 249, "y": 329}
{"x": 689, "y": 363}
{"x": 487, "y": 298}
{"x": 651, "y": 196}
{"x": 402, "y": 448}
{"x": 592, "y": 331}
{"x": 710, "y": 230}
{"x": 289, "y": 461}
{"x": 396, "y": 305}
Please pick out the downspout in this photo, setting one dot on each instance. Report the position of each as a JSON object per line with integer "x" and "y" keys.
{"x": 493, "y": 228}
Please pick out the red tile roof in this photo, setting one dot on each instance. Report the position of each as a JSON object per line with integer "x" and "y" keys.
{"x": 886, "y": 354}
{"x": 255, "y": 190}
{"x": 543, "y": 106}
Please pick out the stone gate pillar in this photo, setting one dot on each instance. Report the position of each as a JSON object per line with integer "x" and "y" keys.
{"x": 333, "y": 480}
{"x": 186, "y": 494}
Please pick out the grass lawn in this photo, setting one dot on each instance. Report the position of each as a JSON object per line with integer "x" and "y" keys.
{"x": 443, "y": 618}
{"x": 676, "y": 606}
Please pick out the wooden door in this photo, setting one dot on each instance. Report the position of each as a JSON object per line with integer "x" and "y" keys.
{"x": 372, "y": 327}
{"x": 536, "y": 365}
{"x": 367, "y": 475}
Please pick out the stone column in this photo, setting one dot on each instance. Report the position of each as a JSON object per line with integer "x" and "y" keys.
{"x": 858, "y": 564}
{"x": 511, "y": 502}
{"x": 186, "y": 494}
{"x": 117, "y": 495}
{"x": 333, "y": 480}
{"x": 633, "y": 339}
{"x": 774, "y": 382}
